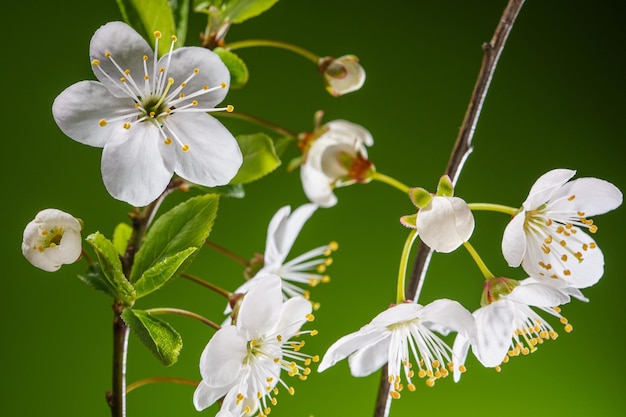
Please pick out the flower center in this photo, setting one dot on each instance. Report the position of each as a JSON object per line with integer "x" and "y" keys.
{"x": 49, "y": 238}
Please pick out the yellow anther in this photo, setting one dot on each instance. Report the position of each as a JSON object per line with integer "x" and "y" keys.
{"x": 185, "y": 148}
{"x": 205, "y": 87}
{"x": 247, "y": 409}
{"x": 291, "y": 391}
{"x": 563, "y": 320}
{"x": 122, "y": 79}
{"x": 145, "y": 57}
{"x": 430, "y": 382}
{"x": 593, "y": 228}
{"x": 567, "y": 272}
{"x": 571, "y": 197}
{"x": 168, "y": 141}
{"x": 326, "y": 279}
{"x": 592, "y": 245}
{"x": 279, "y": 338}
{"x": 107, "y": 54}
{"x": 497, "y": 368}
{"x": 411, "y": 387}
{"x": 568, "y": 226}
{"x": 126, "y": 125}
{"x": 152, "y": 114}
{"x": 95, "y": 62}
{"x": 553, "y": 335}
{"x": 564, "y": 258}
{"x": 314, "y": 332}
{"x": 568, "y": 328}
{"x": 223, "y": 85}
{"x": 157, "y": 34}
{"x": 230, "y": 108}
{"x": 174, "y": 38}
{"x": 161, "y": 69}
{"x": 549, "y": 222}
{"x": 146, "y": 77}
{"x": 102, "y": 122}
{"x": 194, "y": 103}
{"x": 196, "y": 70}
{"x": 578, "y": 256}
{"x": 310, "y": 317}
{"x": 181, "y": 95}
{"x": 421, "y": 373}
{"x": 394, "y": 394}
{"x": 274, "y": 401}
{"x": 183, "y": 85}
{"x": 548, "y": 240}
{"x": 316, "y": 358}
{"x": 390, "y": 379}
{"x": 435, "y": 364}
{"x": 545, "y": 249}
{"x": 563, "y": 243}
{"x": 306, "y": 371}
{"x": 127, "y": 71}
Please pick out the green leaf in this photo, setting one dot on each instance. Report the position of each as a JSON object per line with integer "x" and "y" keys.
{"x": 148, "y": 16}
{"x": 180, "y": 11}
{"x": 96, "y": 280}
{"x": 111, "y": 267}
{"x": 161, "y": 272}
{"x": 158, "y": 336}
{"x": 237, "y": 11}
{"x": 238, "y": 70}
{"x": 233, "y": 11}
{"x": 281, "y": 144}
{"x": 259, "y": 158}
{"x": 121, "y": 236}
{"x": 230, "y": 190}
{"x": 186, "y": 225}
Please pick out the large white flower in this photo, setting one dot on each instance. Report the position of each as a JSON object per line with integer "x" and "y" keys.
{"x": 150, "y": 115}
{"x": 52, "y": 239}
{"x": 342, "y": 75}
{"x": 546, "y": 237}
{"x": 335, "y": 158}
{"x": 399, "y": 332}
{"x": 243, "y": 361}
{"x": 507, "y": 326}
{"x": 307, "y": 268}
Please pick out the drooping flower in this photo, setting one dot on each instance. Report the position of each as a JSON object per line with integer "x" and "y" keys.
{"x": 398, "y": 333}
{"x": 342, "y": 75}
{"x": 506, "y": 324}
{"x": 547, "y": 236}
{"x": 443, "y": 222}
{"x": 52, "y": 239}
{"x": 307, "y": 268}
{"x": 335, "y": 155}
{"x": 150, "y": 115}
{"x": 243, "y": 361}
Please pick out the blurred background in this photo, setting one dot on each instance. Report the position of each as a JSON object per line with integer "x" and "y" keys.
{"x": 557, "y": 100}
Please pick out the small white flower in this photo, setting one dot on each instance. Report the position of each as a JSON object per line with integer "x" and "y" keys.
{"x": 307, "y": 268}
{"x": 52, "y": 239}
{"x": 150, "y": 115}
{"x": 546, "y": 237}
{"x": 336, "y": 157}
{"x": 399, "y": 332}
{"x": 507, "y": 326}
{"x": 443, "y": 222}
{"x": 342, "y": 75}
{"x": 243, "y": 361}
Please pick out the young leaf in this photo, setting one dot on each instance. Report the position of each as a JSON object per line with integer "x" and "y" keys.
{"x": 158, "y": 336}
{"x": 111, "y": 267}
{"x": 161, "y": 272}
{"x": 230, "y": 190}
{"x": 121, "y": 236}
{"x": 186, "y": 225}
{"x": 238, "y": 70}
{"x": 237, "y": 11}
{"x": 96, "y": 280}
{"x": 148, "y": 16}
{"x": 259, "y": 158}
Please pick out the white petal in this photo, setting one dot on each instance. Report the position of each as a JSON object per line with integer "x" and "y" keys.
{"x": 494, "y": 324}
{"x": 275, "y": 254}
{"x": 39, "y": 259}
{"x": 80, "y": 107}
{"x": 448, "y": 315}
{"x": 351, "y": 133}
{"x": 69, "y": 248}
{"x": 317, "y": 186}
{"x": 293, "y": 316}
{"x": 514, "y": 240}
{"x": 545, "y": 185}
{"x": 348, "y": 344}
{"x": 211, "y": 73}
{"x": 593, "y": 196}
{"x": 134, "y": 169}
{"x": 205, "y": 395}
{"x": 459, "y": 354}
{"x": 445, "y": 223}
{"x": 370, "y": 357}
{"x": 398, "y": 314}
{"x": 213, "y": 157}
{"x": 127, "y": 48}
{"x": 538, "y": 295}
{"x": 222, "y": 358}
{"x": 261, "y": 307}
{"x": 289, "y": 230}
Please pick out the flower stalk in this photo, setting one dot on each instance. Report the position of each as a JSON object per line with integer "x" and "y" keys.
{"x": 273, "y": 44}
{"x": 404, "y": 261}
{"x": 184, "y": 313}
{"x": 461, "y": 150}
{"x": 390, "y": 181}
{"x": 494, "y": 207}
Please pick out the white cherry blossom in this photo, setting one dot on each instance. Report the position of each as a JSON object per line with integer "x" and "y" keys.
{"x": 398, "y": 333}
{"x": 52, "y": 239}
{"x": 547, "y": 236}
{"x": 243, "y": 361}
{"x": 150, "y": 115}
{"x": 336, "y": 156}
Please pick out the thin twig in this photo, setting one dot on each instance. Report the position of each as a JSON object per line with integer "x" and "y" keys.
{"x": 461, "y": 150}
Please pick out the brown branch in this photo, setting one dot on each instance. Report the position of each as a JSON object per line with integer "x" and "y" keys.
{"x": 461, "y": 150}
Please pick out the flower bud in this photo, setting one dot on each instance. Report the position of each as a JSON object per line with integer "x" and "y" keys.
{"x": 342, "y": 75}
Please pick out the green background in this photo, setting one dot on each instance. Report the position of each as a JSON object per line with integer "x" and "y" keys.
{"x": 557, "y": 100}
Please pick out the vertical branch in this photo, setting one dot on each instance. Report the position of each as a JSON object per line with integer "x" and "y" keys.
{"x": 461, "y": 150}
